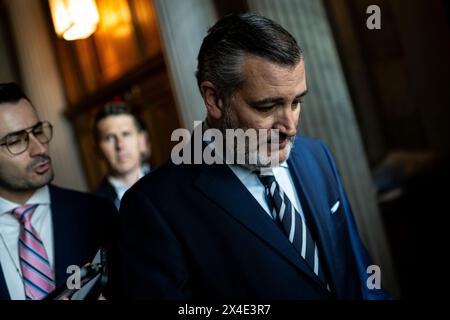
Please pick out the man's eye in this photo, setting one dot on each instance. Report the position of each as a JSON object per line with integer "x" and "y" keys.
{"x": 14, "y": 141}
{"x": 297, "y": 103}
{"x": 265, "y": 108}
{"x": 38, "y": 133}
{"x": 109, "y": 137}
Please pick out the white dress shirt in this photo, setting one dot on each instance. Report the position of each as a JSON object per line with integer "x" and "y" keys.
{"x": 9, "y": 236}
{"x": 121, "y": 188}
{"x": 251, "y": 181}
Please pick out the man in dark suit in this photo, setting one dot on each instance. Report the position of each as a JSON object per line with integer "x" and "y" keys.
{"x": 279, "y": 227}
{"x": 123, "y": 143}
{"x": 44, "y": 229}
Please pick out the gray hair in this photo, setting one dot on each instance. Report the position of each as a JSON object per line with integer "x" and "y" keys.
{"x": 233, "y": 38}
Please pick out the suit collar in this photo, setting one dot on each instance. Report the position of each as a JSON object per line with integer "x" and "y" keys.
{"x": 106, "y": 189}
{"x": 40, "y": 196}
{"x": 219, "y": 184}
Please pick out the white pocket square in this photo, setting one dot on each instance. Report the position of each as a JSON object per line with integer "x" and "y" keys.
{"x": 335, "y": 207}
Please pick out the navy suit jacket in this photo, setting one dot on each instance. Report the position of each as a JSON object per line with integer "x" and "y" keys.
{"x": 82, "y": 223}
{"x": 106, "y": 190}
{"x": 195, "y": 231}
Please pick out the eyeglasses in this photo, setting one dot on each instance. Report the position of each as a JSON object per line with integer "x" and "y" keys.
{"x": 18, "y": 142}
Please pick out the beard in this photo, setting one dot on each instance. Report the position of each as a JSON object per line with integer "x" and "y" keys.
{"x": 11, "y": 181}
{"x": 256, "y": 155}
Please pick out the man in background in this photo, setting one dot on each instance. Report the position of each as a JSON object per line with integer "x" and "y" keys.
{"x": 43, "y": 228}
{"x": 122, "y": 142}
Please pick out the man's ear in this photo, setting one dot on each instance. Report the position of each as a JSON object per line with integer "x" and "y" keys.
{"x": 214, "y": 105}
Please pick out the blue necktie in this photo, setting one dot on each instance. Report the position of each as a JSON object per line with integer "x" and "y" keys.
{"x": 292, "y": 223}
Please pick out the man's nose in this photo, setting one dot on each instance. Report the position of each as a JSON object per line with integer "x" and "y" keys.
{"x": 35, "y": 146}
{"x": 118, "y": 142}
{"x": 287, "y": 121}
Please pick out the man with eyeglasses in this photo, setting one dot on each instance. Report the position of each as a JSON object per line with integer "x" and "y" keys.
{"x": 44, "y": 229}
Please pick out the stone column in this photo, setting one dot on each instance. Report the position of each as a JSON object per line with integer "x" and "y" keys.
{"x": 42, "y": 83}
{"x": 327, "y": 113}
{"x": 183, "y": 25}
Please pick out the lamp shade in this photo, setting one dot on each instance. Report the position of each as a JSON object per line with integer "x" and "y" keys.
{"x": 74, "y": 19}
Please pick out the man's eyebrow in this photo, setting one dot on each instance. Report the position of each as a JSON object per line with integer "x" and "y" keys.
{"x": 14, "y": 133}
{"x": 275, "y": 100}
{"x": 11, "y": 134}
{"x": 301, "y": 95}
{"x": 270, "y": 100}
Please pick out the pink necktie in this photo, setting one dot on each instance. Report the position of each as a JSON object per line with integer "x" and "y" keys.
{"x": 37, "y": 275}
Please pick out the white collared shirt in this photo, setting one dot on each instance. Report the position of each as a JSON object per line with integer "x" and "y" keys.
{"x": 120, "y": 187}
{"x": 9, "y": 236}
{"x": 251, "y": 181}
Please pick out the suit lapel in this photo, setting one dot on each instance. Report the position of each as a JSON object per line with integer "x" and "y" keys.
{"x": 66, "y": 241}
{"x": 4, "y": 292}
{"x": 220, "y": 184}
{"x": 315, "y": 208}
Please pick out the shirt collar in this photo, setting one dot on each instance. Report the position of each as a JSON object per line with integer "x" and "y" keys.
{"x": 40, "y": 196}
{"x": 245, "y": 173}
{"x": 117, "y": 184}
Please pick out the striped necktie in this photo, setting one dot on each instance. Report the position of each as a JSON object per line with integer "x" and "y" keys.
{"x": 37, "y": 275}
{"x": 292, "y": 223}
